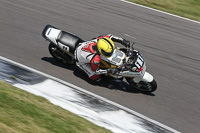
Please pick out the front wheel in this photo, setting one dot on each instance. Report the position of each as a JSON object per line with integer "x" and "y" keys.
{"x": 143, "y": 85}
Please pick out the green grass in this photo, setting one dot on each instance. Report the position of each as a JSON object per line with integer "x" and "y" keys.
{"x": 22, "y": 112}
{"x": 185, "y": 8}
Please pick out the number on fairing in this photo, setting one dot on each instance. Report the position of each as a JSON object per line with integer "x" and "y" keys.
{"x": 140, "y": 61}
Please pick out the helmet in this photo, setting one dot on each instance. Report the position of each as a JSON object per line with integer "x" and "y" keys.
{"x": 105, "y": 47}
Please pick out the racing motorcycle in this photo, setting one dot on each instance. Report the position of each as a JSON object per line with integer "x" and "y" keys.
{"x": 128, "y": 62}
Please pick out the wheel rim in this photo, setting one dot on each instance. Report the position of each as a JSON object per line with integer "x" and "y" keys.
{"x": 143, "y": 86}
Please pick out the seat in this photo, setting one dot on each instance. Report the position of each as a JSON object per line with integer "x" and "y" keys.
{"x": 69, "y": 40}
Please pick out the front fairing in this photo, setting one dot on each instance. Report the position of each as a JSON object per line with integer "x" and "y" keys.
{"x": 114, "y": 61}
{"x": 132, "y": 65}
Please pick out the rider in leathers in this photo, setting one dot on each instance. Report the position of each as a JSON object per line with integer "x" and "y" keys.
{"x": 88, "y": 54}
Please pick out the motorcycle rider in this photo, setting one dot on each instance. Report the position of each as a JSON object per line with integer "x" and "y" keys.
{"x": 88, "y": 54}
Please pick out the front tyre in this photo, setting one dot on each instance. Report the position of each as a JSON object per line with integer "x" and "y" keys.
{"x": 143, "y": 86}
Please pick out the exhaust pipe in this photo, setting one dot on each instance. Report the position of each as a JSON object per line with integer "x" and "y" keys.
{"x": 65, "y": 57}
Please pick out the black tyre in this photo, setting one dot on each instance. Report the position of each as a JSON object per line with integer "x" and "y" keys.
{"x": 142, "y": 85}
{"x": 66, "y": 59}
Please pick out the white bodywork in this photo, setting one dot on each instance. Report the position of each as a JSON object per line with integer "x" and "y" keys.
{"x": 52, "y": 34}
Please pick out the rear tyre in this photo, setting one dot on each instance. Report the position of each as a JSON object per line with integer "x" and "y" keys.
{"x": 143, "y": 86}
{"x": 66, "y": 60}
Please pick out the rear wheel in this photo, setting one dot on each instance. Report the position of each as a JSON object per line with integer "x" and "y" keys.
{"x": 143, "y": 85}
{"x": 66, "y": 59}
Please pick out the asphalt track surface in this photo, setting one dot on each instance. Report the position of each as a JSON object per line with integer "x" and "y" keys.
{"x": 169, "y": 45}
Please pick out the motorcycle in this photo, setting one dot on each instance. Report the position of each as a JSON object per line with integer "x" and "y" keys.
{"x": 128, "y": 62}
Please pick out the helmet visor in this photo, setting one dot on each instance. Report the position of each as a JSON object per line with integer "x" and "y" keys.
{"x": 106, "y": 53}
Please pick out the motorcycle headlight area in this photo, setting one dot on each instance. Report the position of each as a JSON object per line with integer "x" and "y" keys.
{"x": 136, "y": 64}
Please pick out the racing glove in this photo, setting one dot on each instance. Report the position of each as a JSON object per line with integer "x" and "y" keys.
{"x": 126, "y": 43}
{"x": 100, "y": 71}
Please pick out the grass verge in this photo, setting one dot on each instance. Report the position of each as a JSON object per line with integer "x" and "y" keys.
{"x": 22, "y": 112}
{"x": 185, "y": 8}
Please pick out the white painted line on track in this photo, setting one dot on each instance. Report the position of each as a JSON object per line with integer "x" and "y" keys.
{"x": 160, "y": 11}
{"x": 129, "y": 36}
{"x": 92, "y": 94}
